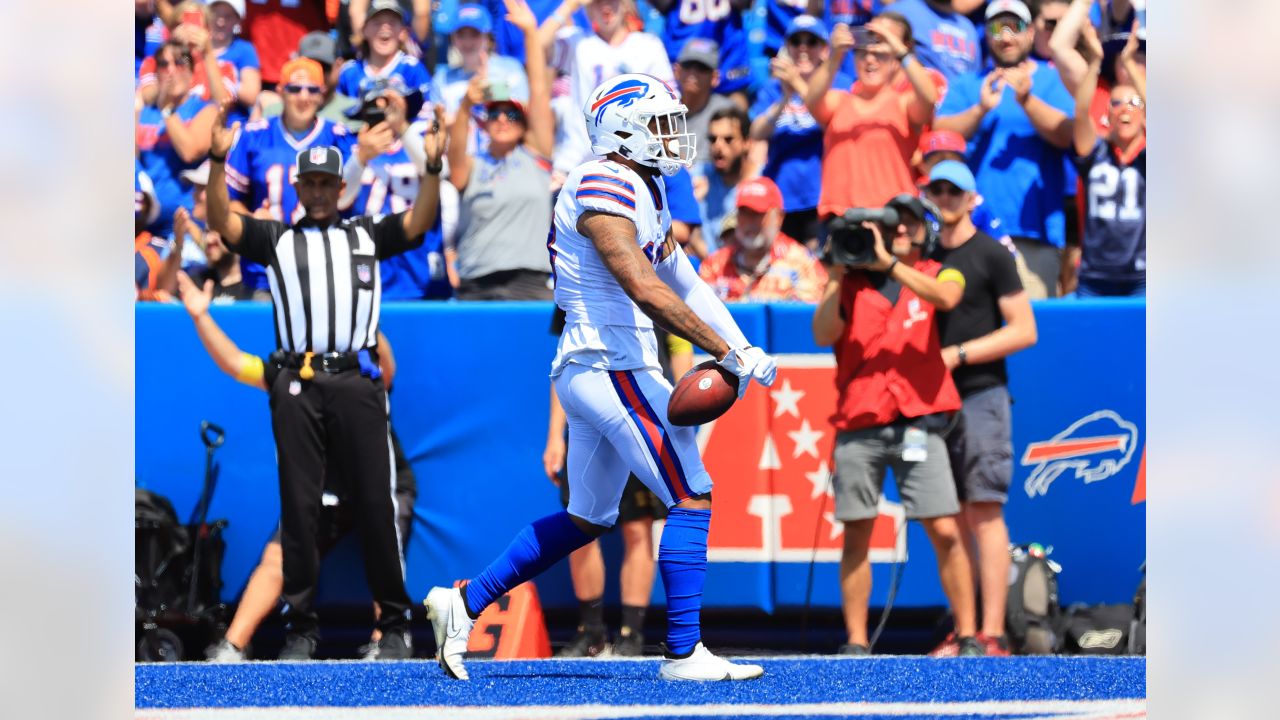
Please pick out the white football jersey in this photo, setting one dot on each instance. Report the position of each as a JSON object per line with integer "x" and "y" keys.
{"x": 603, "y": 327}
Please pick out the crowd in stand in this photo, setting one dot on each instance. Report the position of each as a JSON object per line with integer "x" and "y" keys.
{"x": 859, "y": 99}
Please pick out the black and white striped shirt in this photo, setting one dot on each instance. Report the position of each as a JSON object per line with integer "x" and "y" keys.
{"x": 324, "y": 278}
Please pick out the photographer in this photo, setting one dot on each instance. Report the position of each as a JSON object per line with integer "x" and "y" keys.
{"x": 895, "y": 398}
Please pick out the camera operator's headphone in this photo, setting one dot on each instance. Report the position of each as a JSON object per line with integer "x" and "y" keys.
{"x": 928, "y": 213}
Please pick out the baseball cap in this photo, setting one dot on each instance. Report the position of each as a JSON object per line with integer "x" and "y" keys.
{"x": 378, "y": 6}
{"x": 729, "y": 223}
{"x": 1012, "y": 7}
{"x": 809, "y": 24}
{"x": 954, "y": 172}
{"x": 314, "y": 72}
{"x": 318, "y": 46}
{"x": 237, "y": 5}
{"x": 197, "y": 175}
{"x": 759, "y": 194}
{"x": 321, "y": 159}
{"x": 700, "y": 50}
{"x": 942, "y": 141}
{"x": 473, "y": 16}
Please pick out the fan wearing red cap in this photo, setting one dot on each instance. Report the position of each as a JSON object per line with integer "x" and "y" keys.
{"x": 761, "y": 264}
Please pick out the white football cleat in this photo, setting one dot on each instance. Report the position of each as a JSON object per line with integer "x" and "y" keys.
{"x": 452, "y": 625}
{"x": 702, "y": 665}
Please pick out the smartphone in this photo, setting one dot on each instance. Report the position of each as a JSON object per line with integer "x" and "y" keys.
{"x": 863, "y": 37}
{"x": 193, "y": 17}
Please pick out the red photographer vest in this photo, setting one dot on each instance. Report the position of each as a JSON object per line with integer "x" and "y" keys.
{"x": 889, "y": 361}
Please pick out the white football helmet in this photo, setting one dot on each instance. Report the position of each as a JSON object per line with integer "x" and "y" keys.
{"x": 619, "y": 113}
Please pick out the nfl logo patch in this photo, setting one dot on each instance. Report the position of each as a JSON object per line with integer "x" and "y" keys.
{"x": 364, "y": 272}
{"x": 319, "y": 155}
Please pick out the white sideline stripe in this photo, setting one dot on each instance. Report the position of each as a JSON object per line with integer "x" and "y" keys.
{"x": 1050, "y": 709}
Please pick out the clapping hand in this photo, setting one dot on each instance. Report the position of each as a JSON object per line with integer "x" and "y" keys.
{"x": 519, "y": 14}
{"x": 991, "y": 91}
{"x": 1018, "y": 77}
{"x": 841, "y": 39}
{"x": 196, "y": 300}
{"x": 221, "y": 137}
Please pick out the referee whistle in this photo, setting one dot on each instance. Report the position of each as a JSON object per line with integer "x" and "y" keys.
{"x": 306, "y": 372}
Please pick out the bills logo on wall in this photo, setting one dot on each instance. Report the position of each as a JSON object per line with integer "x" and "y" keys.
{"x": 1093, "y": 448}
{"x": 770, "y": 458}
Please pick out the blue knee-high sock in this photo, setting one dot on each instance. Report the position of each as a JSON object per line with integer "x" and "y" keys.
{"x": 682, "y": 559}
{"x": 535, "y": 548}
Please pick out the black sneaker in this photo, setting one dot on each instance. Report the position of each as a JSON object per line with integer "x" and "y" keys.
{"x": 629, "y": 644}
{"x": 298, "y": 647}
{"x": 396, "y": 645}
{"x": 970, "y": 647}
{"x": 587, "y": 643}
{"x": 854, "y": 650}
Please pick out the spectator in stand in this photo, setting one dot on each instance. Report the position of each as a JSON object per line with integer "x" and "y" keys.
{"x": 212, "y": 79}
{"x": 418, "y": 13}
{"x": 762, "y": 264}
{"x": 555, "y": 14}
{"x": 472, "y": 35}
{"x": 613, "y": 49}
{"x": 697, "y": 74}
{"x": 872, "y": 129}
{"x": 728, "y": 163}
{"x": 794, "y": 139}
{"x": 261, "y": 167}
{"x": 778, "y": 17}
{"x": 204, "y": 255}
{"x": 382, "y": 179}
{"x": 149, "y": 33}
{"x": 1017, "y": 121}
{"x": 172, "y": 134}
{"x": 146, "y": 208}
{"x": 275, "y": 27}
{"x": 148, "y": 250}
{"x": 1048, "y": 15}
{"x": 941, "y": 145}
{"x": 895, "y": 400}
{"x": 1113, "y": 252}
{"x": 505, "y": 213}
{"x": 720, "y": 22}
{"x": 226, "y": 16}
{"x": 321, "y": 47}
{"x": 946, "y": 39}
{"x": 384, "y": 62}
{"x": 686, "y": 217}
{"x": 991, "y": 321}
{"x": 854, "y": 13}
{"x": 1128, "y": 68}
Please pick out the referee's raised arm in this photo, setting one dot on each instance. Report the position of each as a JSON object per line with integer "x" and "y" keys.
{"x": 422, "y": 215}
{"x": 217, "y": 201}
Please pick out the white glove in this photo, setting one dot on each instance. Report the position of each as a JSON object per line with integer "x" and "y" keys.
{"x": 750, "y": 363}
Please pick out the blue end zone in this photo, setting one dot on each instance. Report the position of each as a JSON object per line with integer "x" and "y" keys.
{"x": 803, "y": 682}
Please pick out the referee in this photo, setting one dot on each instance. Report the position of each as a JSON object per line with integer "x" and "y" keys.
{"x": 328, "y": 404}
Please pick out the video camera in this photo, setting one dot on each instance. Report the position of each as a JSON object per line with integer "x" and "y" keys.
{"x": 852, "y": 244}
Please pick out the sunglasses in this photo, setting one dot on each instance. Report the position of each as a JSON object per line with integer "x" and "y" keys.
{"x": 1017, "y": 25}
{"x": 943, "y": 188}
{"x": 805, "y": 40}
{"x": 509, "y": 114}
{"x": 879, "y": 55}
{"x": 1132, "y": 101}
{"x": 181, "y": 61}
{"x": 297, "y": 89}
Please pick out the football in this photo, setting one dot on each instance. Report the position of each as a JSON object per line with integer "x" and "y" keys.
{"x": 705, "y": 393}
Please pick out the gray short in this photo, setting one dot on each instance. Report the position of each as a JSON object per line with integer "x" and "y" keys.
{"x": 862, "y": 456}
{"x": 981, "y": 447}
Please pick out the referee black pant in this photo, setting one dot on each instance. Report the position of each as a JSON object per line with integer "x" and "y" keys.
{"x": 341, "y": 418}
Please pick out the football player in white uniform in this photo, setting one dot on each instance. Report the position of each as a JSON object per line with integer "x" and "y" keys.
{"x": 617, "y": 271}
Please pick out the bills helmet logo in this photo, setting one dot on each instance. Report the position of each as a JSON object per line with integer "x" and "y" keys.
{"x": 1095, "y": 447}
{"x": 364, "y": 272}
{"x": 623, "y": 95}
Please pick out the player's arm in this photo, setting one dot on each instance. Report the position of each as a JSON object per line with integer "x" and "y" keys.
{"x": 226, "y": 355}
{"x": 615, "y": 241}
{"x": 678, "y": 273}
{"x": 419, "y": 218}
